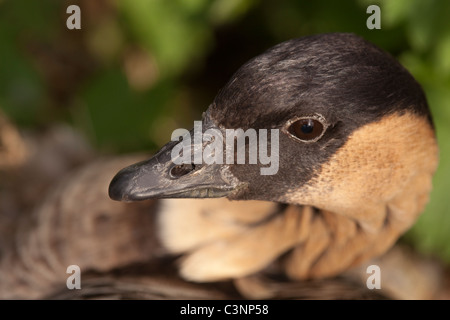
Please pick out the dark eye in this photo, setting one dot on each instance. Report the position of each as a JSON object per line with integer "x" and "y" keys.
{"x": 307, "y": 129}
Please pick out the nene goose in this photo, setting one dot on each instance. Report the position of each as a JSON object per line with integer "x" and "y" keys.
{"x": 357, "y": 152}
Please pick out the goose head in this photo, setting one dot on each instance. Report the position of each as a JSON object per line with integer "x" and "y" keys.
{"x": 355, "y": 136}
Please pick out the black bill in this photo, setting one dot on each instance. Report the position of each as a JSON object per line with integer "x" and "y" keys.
{"x": 160, "y": 177}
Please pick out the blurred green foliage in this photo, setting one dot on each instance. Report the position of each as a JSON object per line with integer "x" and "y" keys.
{"x": 138, "y": 69}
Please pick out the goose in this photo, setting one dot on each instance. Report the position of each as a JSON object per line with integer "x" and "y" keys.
{"x": 357, "y": 153}
{"x": 345, "y": 190}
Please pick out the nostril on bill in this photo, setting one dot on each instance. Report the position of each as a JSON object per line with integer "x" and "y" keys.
{"x": 181, "y": 170}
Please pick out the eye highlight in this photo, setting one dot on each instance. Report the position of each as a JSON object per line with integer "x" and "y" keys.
{"x": 308, "y": 129}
